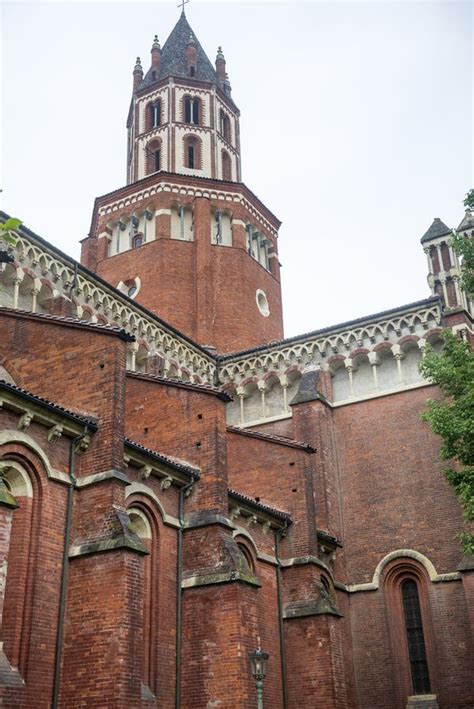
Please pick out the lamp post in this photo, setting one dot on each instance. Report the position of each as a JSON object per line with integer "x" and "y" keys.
{"x": 258, "y": 667}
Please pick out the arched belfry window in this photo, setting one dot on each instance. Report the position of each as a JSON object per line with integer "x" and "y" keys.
{"x": 155, "y": 113}
{"x": 192, "y": 152}
{"x": 415, "y": 638}
{"x": 224, "y": 125}
{"x": 226, "y": 166}
{"x": 153, "y": 156}
{"x": 192, "y": 110}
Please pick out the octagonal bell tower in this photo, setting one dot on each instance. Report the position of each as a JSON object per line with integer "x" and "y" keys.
{"x": 182, "y": 117}
{"x": 185, "y": 237}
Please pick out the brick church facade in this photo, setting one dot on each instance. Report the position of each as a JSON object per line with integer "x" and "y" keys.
{"x": 178, "y": 481}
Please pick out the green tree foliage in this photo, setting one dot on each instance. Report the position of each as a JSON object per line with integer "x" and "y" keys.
{"x": 464, "y": 247}
{"x": 6, "y": 231}
{"x": 453, "y": 418}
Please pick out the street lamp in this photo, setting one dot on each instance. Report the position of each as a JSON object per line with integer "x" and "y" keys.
{"x": 258, "y": 667}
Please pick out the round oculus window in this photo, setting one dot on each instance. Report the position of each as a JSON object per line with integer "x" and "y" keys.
{"x": 262, "y": 303}
{"x": 131, "y": 291}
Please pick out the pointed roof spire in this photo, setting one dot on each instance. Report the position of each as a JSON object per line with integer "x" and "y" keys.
{"x": 173, "y": 59}
{"x": 467, "y": 221}
{"x": 437, "y": 229}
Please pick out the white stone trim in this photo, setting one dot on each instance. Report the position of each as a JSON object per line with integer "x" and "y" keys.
{"x": 261, "y": 555}
{"x": 382, "y": 392}
{"x": 10, "y": 436}
{"x": 140, "y": 488}
{"x": 269, "y": 419}
{"x": 400, "y": 554}
{"x": 192, "y": 192}
{"x": 145, "y": 531}
{"x": 17, "y": 478}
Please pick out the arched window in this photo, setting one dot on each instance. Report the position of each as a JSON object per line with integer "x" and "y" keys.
{"x": 20, "y": 565}
{"x": 153, "y": 156}
{"x": 137, "y": 241}
{"x": 192, "y": 110}
{"x": 155, "y": 114}
{"x": 415, "y": 638}
{"x": 142, "y": 526}
{"x": 192, "y": 152}
{"x": 248, "y": 556}
{"x": 412, "y": 641}
{"x": 224, "y": 125}
{"x": 226, "y": 166}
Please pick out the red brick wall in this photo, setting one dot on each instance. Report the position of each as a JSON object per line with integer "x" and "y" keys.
{"x": 193, "y": 285}
{"x": 79, "y": 368}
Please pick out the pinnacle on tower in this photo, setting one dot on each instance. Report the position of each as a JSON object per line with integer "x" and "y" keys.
{"x": 191, "y": 55}
{"x": 155, "y": 53}
{"x": 137, "y": 74}
{"x": 220, "y": 65}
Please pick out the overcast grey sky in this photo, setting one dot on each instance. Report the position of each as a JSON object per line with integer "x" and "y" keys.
{"x": 356, "y": 128}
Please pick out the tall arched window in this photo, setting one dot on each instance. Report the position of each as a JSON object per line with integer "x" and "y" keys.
{"x": 224, "y": 125}
{"x": 192, "y": 152}
{"x": 142, "y": 526}
{"x": 192, "y": 110}
{"x": 153, "y": 156}
{"x": 21, "y": 562}
{"x": 226, "y": 166}
{"x": 416, "y": 642}
{"x": 412, "y": 642}
{"x": 153, "y": 115}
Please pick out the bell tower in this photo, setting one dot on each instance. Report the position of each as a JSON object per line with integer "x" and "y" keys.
{"x": 185, "y": 237}
{"x": 182, "y": 117}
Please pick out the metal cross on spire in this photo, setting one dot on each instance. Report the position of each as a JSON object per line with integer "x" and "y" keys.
{"x": 182, "y": 4}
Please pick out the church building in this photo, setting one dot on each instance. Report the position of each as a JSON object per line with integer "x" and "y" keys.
{"x": 181, "y": 485}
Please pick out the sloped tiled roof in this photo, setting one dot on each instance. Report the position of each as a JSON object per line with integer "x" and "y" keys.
{"x": 438, "y": 228}
{"x": 246, "y": 500}
{"x": 173, "y": 57}
{"x": 272, "y": 438}
{"x": 175, "y": 463}
{"x": 56, "y": 408}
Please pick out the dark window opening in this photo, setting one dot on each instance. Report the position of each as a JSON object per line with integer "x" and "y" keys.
{"x": 137, "y": 241}
{"x": 157, "y": 160}
{"x": 225, "y": 125}
{"x": 191, "y": 156}
{"x": 416, "y": 642}
{"x": 153, "y": 75}
{"x": 192, "y": 71}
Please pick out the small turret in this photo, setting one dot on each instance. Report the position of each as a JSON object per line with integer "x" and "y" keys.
{"x": 467, "y": 223}
{"x": 137, "y": 74}
{"x": 220, "y": 65}
{"x": 155, "y": 54}
{"x": 191, "y": 55}
{"x": 227, "y": 87}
